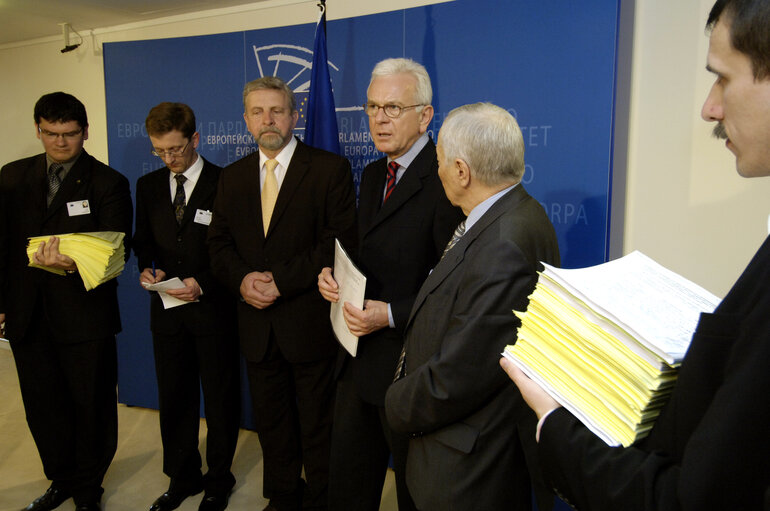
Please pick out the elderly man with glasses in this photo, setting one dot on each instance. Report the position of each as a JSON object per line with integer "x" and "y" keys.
{"x": 404, "y": 223}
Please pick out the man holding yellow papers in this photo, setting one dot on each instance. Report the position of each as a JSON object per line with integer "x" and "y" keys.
{"x": 709, "y": 448}
{"x": 458, "y": 408}
{"x": 62, "y": 336}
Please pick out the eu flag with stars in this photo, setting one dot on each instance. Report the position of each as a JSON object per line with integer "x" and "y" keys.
{"x": 321, "y": 126}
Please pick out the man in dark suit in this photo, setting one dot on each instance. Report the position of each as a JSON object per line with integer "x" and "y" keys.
{"x": 709, "y": 448}
{"x": 462, "y": 417}
{"x": 404, "y": 223}
{"x": 276, "y": 216}
{"x": 195, "y": 344}
{"x": 62, "y": 336}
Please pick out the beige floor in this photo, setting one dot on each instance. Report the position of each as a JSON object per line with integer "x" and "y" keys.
{"x": 135, "y": 477}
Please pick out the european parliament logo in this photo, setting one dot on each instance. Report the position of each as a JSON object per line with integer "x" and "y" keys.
{"x": 293, "y": 64}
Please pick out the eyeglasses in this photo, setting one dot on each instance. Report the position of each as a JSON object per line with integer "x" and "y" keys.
{"x": 392, "y": 111}
{"x": 70, "y": 135}
{"x": 170, "y": 152}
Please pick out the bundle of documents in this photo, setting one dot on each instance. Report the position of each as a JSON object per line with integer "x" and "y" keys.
{"x": 100, "y": 256}
{"x": 352, "y": 285}
{"x": 606, "y": 341}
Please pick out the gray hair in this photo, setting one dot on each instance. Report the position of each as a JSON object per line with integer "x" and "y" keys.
{"x": 488, "y": 139}
{"x": 390, "y": 67}
{"x": 270, "y": 83}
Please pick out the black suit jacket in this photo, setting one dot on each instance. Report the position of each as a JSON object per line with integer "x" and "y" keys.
{"x": 399, "y": 243}
{"x": 455, "y": 401}
{"x": 316, "y": 203}
{"x": 709, "y": 448}
{"x": 74, "y": 313}
{"x": 180, "y": 250}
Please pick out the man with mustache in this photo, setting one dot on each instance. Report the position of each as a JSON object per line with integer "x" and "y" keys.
{"x": 709, "y": 448}
{"x": 276, "y": 216}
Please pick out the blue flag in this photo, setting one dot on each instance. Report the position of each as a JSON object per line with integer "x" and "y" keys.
{"x": 321, "y": 125}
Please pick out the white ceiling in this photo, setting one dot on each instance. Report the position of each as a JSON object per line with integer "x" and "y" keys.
{"x": 22, "y": 20}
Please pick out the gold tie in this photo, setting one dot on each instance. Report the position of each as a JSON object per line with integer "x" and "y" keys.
{"x": 269, "y": 193}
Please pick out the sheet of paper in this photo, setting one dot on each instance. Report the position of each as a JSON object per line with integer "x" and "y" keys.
{"x": 161, "y": 287}
{"x": 352, "y": 285}
{"x": 659, "y": 307}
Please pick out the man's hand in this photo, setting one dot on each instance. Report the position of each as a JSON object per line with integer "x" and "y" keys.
{"x": 189, "y": 293}
{"x": 328, "y": 286}
{"x": 2, "y": 324}
{"x": 537, "y": 399}
{"x": 148, "y": 277}
{"x": 48, "y": 255}
{"x": 371, "y": 318}
{"x": 258, "y": 289}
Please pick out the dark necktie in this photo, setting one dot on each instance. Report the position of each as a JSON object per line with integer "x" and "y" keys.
{"x": 390, "y": 182}
{"x": 401, "y": 364}
{"x": 54, "y": 180}
{"x": 179, "y": 198}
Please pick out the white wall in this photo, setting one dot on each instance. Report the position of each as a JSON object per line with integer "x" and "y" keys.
{"x": 685, "y": 205}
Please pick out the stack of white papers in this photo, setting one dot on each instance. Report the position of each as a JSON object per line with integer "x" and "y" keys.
{"x": 100, "y": 256}
{"x": 606, "y": 341}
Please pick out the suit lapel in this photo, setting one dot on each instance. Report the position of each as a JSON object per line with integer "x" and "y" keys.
{"x": 298, "y": 167}
{"x": 206, "y": 185}
{"x": 409, "y": 184}
{"x": 455, "y": 256}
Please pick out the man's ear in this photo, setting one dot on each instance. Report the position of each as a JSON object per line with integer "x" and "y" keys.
{"x": 426, "y": 115}
{"x": 463, "y": 172}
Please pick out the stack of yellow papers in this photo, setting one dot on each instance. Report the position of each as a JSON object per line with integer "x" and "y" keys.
{"x": 606, "y": 341}
{"x": 100, "y": 256}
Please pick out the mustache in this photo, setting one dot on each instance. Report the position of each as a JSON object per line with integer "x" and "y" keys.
{"x": 269, "y": 129}
{"x": 719, "y": 131}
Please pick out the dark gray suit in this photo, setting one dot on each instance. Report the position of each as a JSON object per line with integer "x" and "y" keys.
{"x": 455, "y": 402}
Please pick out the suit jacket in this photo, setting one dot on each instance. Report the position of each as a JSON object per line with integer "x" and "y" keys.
{"x": 399, "y": 242}
{"x": 709, "y": 448}
{"x": 455, "y": 402}
{"x": 316, "y": 203}
{"x": 75, "y": 314}
{"x": 180, "y": 250}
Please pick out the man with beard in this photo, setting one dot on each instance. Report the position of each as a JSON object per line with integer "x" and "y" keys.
{"x": 276, "y": 216}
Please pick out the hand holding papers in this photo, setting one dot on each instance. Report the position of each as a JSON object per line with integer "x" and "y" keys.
{"x": 99, "y": 256}
{"x": 352, "y": 285}
{"x": 606, "y": 341}
{"x": 161, "y": 287}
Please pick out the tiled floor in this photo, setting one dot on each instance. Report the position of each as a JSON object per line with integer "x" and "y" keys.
{"x": 135, "y": 477}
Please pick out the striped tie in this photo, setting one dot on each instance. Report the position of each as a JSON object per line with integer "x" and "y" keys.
{"x": 390, "y": 182}
{"x": 455, "y": 238}
{"x": 54, "y": 180}
{"x": 401, "y": 365}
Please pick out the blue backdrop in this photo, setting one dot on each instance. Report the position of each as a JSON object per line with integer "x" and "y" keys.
{"x": 551, "y": 63}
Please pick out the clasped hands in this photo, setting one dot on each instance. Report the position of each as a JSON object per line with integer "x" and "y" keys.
{"x": 189, "y": 293}
{"x": 259, "y": 290}
{"x": 371, "y": 318}
{"x": 48, "y": 255}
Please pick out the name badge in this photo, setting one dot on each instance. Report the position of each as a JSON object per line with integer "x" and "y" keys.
{"x": 202, "y": 216}
{"x": 78, "y": 207}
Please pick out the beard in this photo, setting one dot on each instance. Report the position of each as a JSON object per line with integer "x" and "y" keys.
{"x": 271, "y": 143}
{"x": 719, "y": 131}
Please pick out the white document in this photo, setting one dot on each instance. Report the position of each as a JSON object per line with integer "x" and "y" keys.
{"x": 658, "y": 307}
{"x": 161, "y": 287}
{"x": 352, "y": 285}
